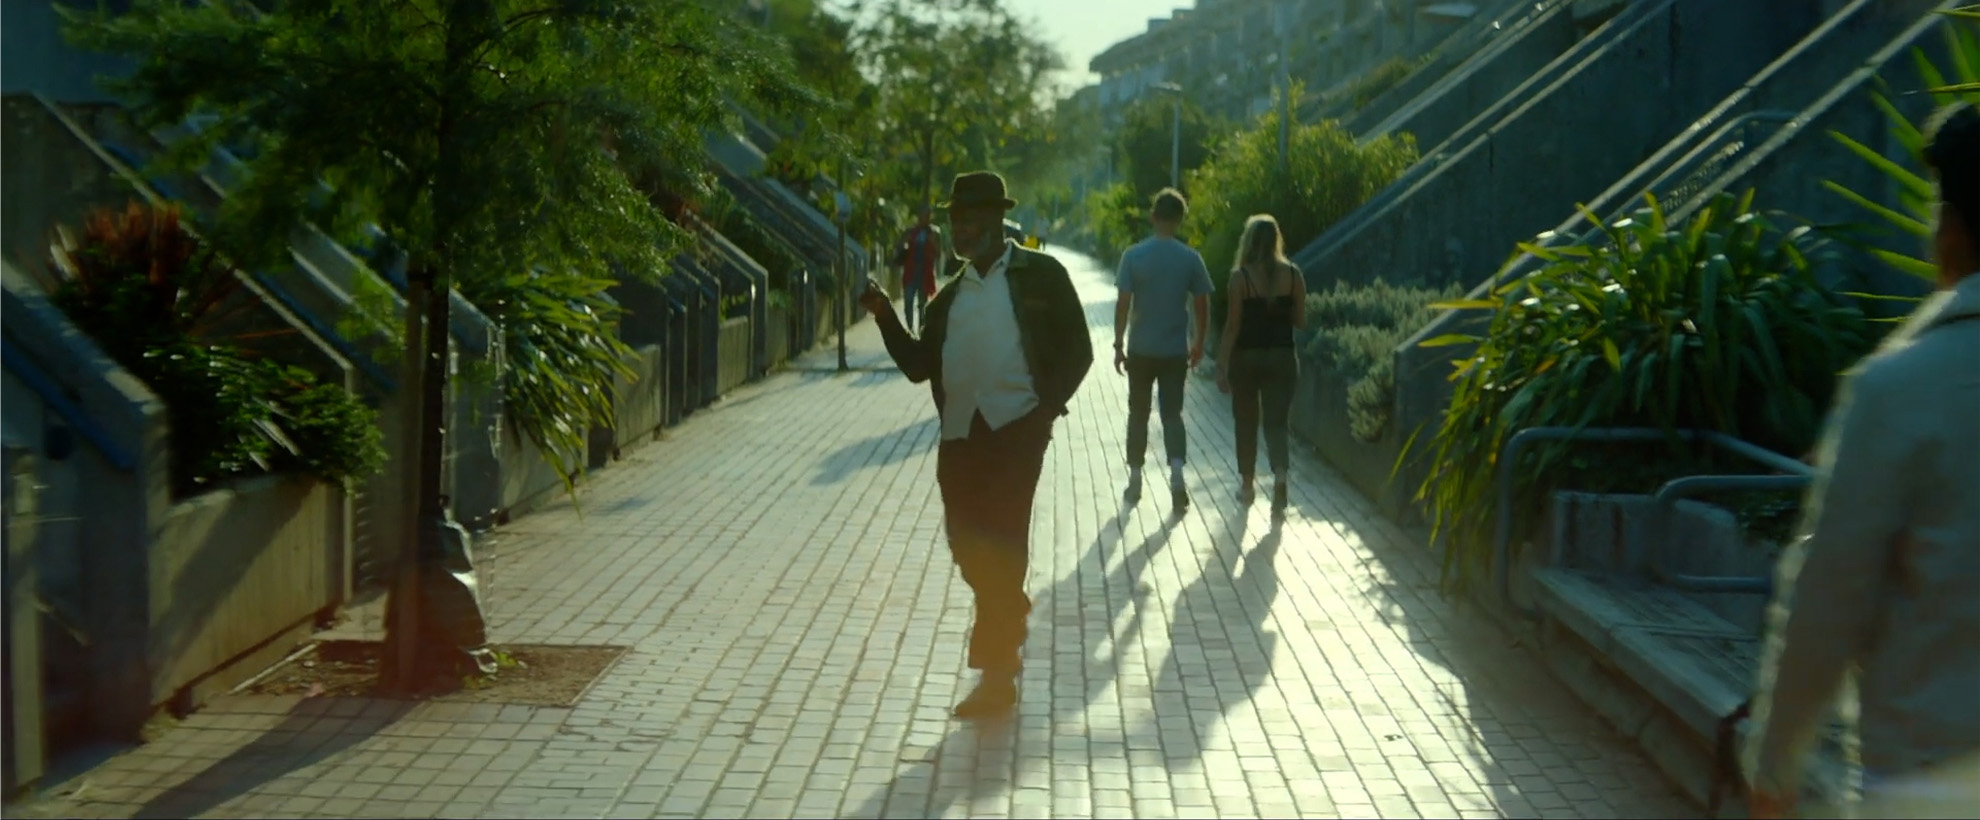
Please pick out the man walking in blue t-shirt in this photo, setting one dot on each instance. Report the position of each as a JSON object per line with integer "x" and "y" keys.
{"x": 1161, "y": 280}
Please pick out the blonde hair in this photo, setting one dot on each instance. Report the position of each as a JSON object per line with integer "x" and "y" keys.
{"x": 1262, "y": 241}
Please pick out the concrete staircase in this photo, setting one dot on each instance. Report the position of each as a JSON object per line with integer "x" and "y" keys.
{"x": 1556, "y": 140}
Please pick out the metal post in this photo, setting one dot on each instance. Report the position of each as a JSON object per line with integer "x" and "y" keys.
{"x": 1175, "y": 147}
{"x": 840, "y": 264}
{"x": 1285, "y": 101}
{"x": 24, "y": 762}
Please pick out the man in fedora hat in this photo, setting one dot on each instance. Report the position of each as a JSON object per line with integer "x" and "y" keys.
{"x": 1004, "y": 345}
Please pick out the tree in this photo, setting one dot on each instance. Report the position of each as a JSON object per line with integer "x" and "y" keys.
{"x": 494, "y": 141}
{"x": 828, "y": 141}
{"x": 1146, "y": 141}
{"x": 959, "y": 83}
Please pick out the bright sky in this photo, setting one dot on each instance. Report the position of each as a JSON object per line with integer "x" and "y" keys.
{"x": 1084, "y": 28}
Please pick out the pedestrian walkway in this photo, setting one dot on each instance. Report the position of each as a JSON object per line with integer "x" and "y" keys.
{"x": 797, "y": 631}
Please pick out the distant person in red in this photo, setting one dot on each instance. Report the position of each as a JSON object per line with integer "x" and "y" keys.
{"x": 917, "y": 254}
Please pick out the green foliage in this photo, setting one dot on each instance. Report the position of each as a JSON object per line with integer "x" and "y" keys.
{"x": 1118, "y": 218}
{"x": 489, "y": 138}
{"x": 158, "y": 302}
{"x": 372, "y": 304}
{"x": 1378, "y": 80}
{"x": 1146, "y": 143}
{"x": 735, "y": 306}
{"x": 1718, "y": 324}
{"x": 1357, "y": 330}
{"x": 1327, "y": 175}
{"x": 735, "y": 223}
{"x": 336, "y": 437}
{"x": 959, "y": 85}
{"x": 1913, "y": 217}
{"x": 561, "y": 357}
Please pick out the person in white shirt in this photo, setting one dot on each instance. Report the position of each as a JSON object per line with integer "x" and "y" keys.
{"x": 1004, "y": 346}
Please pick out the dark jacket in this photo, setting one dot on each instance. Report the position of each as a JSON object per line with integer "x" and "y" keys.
{"x": 1058, "y": 347}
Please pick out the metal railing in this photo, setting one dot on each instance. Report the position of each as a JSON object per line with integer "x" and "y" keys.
{"x": 1667, "y": 497}
{"x": 58, "y": 400}
{"x": 1691, "y": 165}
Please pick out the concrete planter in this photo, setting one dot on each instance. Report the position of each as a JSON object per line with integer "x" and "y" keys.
{"x": 1320, "y": 416}
{"x": 1617, "y": 534}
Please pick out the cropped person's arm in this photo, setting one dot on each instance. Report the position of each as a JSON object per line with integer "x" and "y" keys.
{"x": 1233, "y": 317}
{"x": 1831, "y": 581}
{"x": 910, "y": 353}
{"x": 1299, "y": 297}
{"x": 1124, "y": 306}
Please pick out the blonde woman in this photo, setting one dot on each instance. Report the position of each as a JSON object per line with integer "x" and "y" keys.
{"x": 1256, "y": 362}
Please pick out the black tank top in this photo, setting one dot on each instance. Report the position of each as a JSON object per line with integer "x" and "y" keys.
{"x": 1266, "y": 321}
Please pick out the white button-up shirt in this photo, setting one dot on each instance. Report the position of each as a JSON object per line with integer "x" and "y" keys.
{"x": 983, "y": 366}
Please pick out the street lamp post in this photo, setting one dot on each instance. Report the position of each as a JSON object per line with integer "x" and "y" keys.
{"x": 1175, "y": 135}
{"x": 842, "y": 210}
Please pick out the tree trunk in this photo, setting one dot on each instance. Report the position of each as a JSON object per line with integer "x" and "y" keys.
{"x": 428, "y": 287}
{"x": 399, "y": 664}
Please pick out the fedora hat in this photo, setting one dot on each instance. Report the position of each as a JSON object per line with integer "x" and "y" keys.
{"x": 978, "y": 189}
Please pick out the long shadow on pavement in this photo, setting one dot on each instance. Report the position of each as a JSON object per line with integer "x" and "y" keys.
{"x": 1123, "y": 591}
{"x": 891, "y": 447}
{"x": 976, "y": 759}
{"x": 1218, "y": 642}
{"x": 312, "y": 731}
{"x": 1532, "y": 750}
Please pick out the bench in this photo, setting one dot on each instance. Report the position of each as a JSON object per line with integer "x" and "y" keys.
{"x": 1665, "y": 655}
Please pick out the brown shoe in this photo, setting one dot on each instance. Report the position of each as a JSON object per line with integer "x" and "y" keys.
{"x": 994, "y": 696}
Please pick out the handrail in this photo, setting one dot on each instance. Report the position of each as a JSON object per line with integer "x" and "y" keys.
{"x": 343, "y": 346}
{"x": 1697, "y": 152}
{"x": 1692, "y": 486}
{"x": 31, "y": 375}
{"x": 1518, "y": 442}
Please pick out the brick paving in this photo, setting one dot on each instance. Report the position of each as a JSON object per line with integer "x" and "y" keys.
{"x": 797, "y": 631}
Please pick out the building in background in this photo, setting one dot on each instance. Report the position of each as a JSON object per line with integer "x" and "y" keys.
{"x": 1225, "y": 54}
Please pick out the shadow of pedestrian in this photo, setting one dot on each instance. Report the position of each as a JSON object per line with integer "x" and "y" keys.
{"x": 1084, "y": 606}
{"x": 1218, "y": 642}
{"x": 891, "y": 447}
{"x": 978, "y": 759}
{"x": 1530, "y": 748}
{"x": 975, "y": 761}
{"x": 312, "y": 731}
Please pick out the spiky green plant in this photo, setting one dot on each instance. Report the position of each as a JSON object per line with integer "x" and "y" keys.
{"x": 1913, "y": 216}
{"x": 1715, "y": 324}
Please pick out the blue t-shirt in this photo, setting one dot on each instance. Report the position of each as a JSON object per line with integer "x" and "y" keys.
{"x": 1163, "y": 275}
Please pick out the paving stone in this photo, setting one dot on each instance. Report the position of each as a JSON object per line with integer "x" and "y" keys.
{"x": 777, "y": 568}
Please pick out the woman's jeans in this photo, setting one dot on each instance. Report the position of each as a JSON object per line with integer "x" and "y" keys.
{"x": 1262, "y": 381}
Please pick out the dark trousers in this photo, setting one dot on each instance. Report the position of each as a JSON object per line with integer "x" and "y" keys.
{"x": 1262, "y": 381}
{"x": 915, "y": 297}
{"x": 1147, "y": 374}
{"x": 987, "y": 483}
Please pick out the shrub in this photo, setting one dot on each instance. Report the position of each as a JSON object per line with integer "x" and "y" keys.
{"x": 561, "y": 357}
{"x": 155, "y": 299}
{"x": 1913, "y": 218}
{"x": 1117, "y": 219}
{"x": 728, "y": 217}
{"x": 1380, "y": 79}
{"x": 1356, "y": 331}
{"x": 1718, "y": 324}
{"x": 1327, "y": 175}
